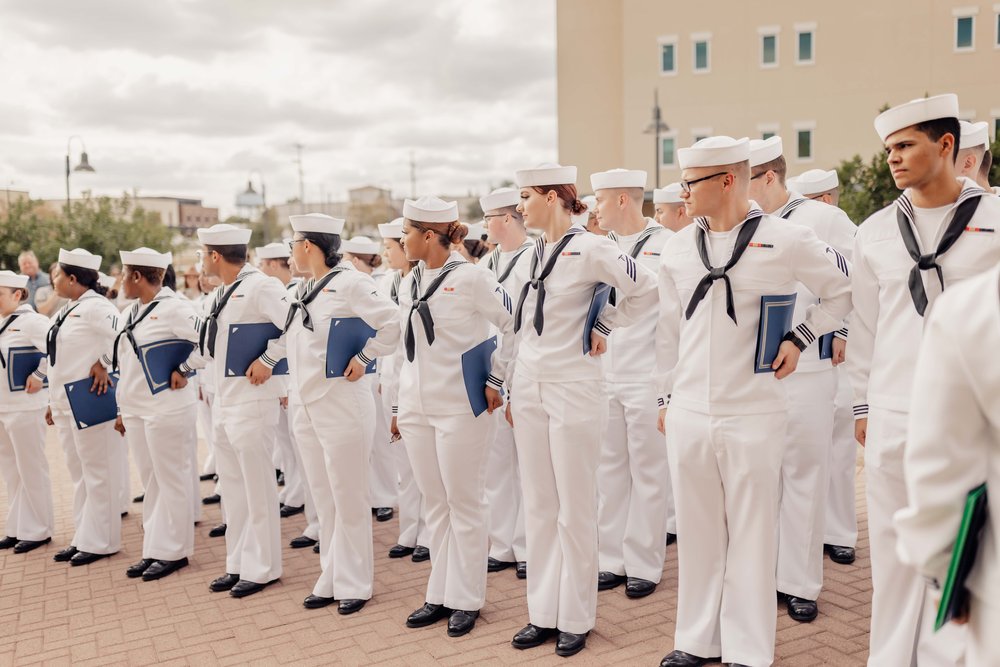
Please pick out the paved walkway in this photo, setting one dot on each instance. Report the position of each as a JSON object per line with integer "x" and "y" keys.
{"x": 54, "y": 614}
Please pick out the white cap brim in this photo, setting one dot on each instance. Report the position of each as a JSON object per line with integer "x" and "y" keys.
{"x": 146, "y": 257}
{"x": 546, "y": 174}
{"x": 915, "y": 112}
{"x": 618, "y": 178}
{"x": 713, "y": 152}
{"x": 80, "y": 258}
{"x": 317, "y": 223}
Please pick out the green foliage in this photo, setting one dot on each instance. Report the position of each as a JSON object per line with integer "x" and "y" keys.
{"x": 101, "y": 225}
{"x": 865, "y": 187}
{"x": 995, "y": 169}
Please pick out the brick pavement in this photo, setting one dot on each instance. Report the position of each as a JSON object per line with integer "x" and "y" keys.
{"x": 52, "y": 614}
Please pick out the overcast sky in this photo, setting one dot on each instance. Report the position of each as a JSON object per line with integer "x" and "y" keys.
{"x": 186, "y": 97}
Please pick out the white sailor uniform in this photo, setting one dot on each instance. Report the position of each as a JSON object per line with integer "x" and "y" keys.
{"x": 885, "y": 333}
{"x": 633, "y": 478}
{"x": 726, "y": 424}
{"x": 384, "y": 475}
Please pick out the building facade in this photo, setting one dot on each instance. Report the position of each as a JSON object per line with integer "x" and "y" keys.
{"x": 815, "y": 74}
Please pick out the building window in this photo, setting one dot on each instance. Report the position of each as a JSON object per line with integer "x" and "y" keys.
{"x": 667, "y": 151}
{"x": 766, "y": 135}
{"x": 804, "y": 141}
{"x": 996, "y": 34}
{"x": 702, "y": 55}
{"x": 768, "y": 46}
{"x": 767, "y": 130}
{"x": 805, "y": 43}
{"x": 668, "y": 55}
{"x": 965, "y": 28}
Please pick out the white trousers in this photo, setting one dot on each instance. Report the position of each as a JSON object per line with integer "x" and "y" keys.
{"x": 900, "y": 633}
{"x": 804, "y": 482}
{"x": 384, "y": 477}
{"x": 333, "y": 436}
{"x": 633, "y": 485}
{"x": 94, "y": 457}
{"x": 293, "y": 412}
{"x": 205, "y": 429}
{"x": 727, "y": 477}
{"x": 26, "y": 473}
{"x": 983, "y": 642}
{"x": 160, "y": 446}
{"x": 125, "y": 487}
{"x": 558, "y": 428}
{"x": 448, "y": 455}
{"x": 412, "y": 520}
{"x": 503, "y": 495}
{"x": 841, "y": 527}
{"x": 244, "y": 436}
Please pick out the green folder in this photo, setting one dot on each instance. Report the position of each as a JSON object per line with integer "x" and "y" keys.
{"x": 955, "y": 596}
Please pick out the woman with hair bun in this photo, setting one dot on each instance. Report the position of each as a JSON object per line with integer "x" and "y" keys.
{"x": 446, "y": 306}
{"x": 79, "y": 345}
{"x": 557, "y": 405}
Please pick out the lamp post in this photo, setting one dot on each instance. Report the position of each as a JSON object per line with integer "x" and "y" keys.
{"x": 656, "y": 128}
{"x": 83, "y": 166}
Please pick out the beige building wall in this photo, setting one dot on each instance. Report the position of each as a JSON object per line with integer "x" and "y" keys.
{"x": 865, "y": 55}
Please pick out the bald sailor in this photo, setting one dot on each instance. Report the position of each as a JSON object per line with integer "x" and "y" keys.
{"x": 633, "y": 479}
{"x": 668, "y": 208}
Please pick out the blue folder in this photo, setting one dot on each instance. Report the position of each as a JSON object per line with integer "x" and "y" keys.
{"x": 88, "y": 408}
{"x": 160, "y": 359}
{"x": 775, "y": 321}
{"x": 597, "y": 304}
{"x": 246, "y": 342}
{"x": 476, "y": 364}
{"x": 22, "y": 362}
{"x": 348, "y": 336}
{"x": 826, "y": 346}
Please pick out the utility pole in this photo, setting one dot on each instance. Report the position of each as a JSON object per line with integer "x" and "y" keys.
{"x": 413, "y": 176}
{"x": 302, "y": 187}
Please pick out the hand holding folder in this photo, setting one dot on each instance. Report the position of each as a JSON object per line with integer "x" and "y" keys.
{"x": 955, "y": 596}
{"x": 476, "y": 364}
{"x": 775, "y": 321}
{"x": 245, "y": 343}
{"x": 348, "y": 336}
{"x": 90, "y": 408}
{"x": 597, "y": 303}
{"x": 160, "y": 359}
{"x": 21, "y": 363}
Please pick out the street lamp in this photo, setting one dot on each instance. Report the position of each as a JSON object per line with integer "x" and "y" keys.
{"x": 83, "y": 166}
{"x": 656, "y": 128}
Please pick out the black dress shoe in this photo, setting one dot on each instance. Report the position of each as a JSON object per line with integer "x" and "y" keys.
{"x": 608, "y": 580}
{"x": 316, "y": 548}
{"x": 224, "y": 583}
{"x": 570, "y": 644}
{"x": 399, "y": 551}
{"x": 461, "y": 622}
{"x": 135, "y": 571}
{"x": 139, "y": 498}
{"x": 291, "y": 510}
{"x": 682, "y": 659}
{"x": 64, "y": 555}
{"x": 162, "y": 568}
{"x": 213, "y": 499}
{"x": 218, "y": 531}
{"x": 802, "y": 610}
{"x": 420, "y": 554}
{"x": 346, "y": 607}
{"x": 671, "y": 538}
{"x": 531, "y": 636}
{"x": 244, "y": 588}
{"x": 24, "y": 546}
{"x": 638, "y": 588}
{"x": 302, "y": 542}
{"x": 521, "y": 569}
{"x": 124, "y": 514}
{"x": 429, "y": 614}
{"x": 842, "y": 555}
{"x": 494, "y": 565}
{"x": 317, "y": 602}
{"x": 207, "y": 476}
{"x": 8, "y": 542}
{"x": 86, "y": 558}
{"x": 383, "y": 513}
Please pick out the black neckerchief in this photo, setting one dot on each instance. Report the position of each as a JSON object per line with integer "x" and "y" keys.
{"x": 539, "y": 282}
{"x": 422, "y": 308}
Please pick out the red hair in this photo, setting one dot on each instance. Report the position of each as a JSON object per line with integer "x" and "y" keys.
{"x": 567, "y": 195}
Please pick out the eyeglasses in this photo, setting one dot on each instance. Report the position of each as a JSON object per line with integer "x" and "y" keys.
{"x": 291, "y": 244}
{"x": 686, "y": 185}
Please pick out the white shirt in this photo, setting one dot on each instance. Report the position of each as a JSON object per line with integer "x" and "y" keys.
{"x": 172, "y": 318}
{"x": 954, "y": 433}
{"x": 885, "y": 325}
{"x": 705, "y": 364}
{"x": 28, "y": 330}
{"x": 463, "y": 307}
{"x": 86, "y": 335}
{"x": 350, "y": 293}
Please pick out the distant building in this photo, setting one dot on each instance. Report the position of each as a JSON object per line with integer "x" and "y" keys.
{"x": 182, "y": 214}
{"x": 9, "y": 198}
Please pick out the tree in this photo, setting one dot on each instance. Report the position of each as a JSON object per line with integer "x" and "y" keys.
{"x": 865, "y": 187}
{"x": 995, "y": 169}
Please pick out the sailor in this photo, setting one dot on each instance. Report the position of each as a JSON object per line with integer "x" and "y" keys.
{"x": 474, "y": 247}
{"x": 25, "y": 469}
{"x": 840, "y": 524}
{"x": 939, "y": 232}
{"x": 413, "y": 534}
{"x": 246, "y": 409}
{"x": 634, "y": 496}
{"x": 510, "y": 262}
{"x": 336, "y": 412}
{"x": 154, "y": 424}
{"x": 669, "y": 208}
{"x": 80, "y": 333}
{"x": 558, "y": 405}
{"x": 446, "y": 306}
{"x": 366, "y": 256}
{"x": 811, "y": 393}
{"x": 973, "y": 146}
{"x": 953, "y": 447}
{"x": 725, "y": 409}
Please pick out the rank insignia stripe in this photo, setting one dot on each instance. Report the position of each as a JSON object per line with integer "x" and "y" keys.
{"x": 984, "y": 230}
{"x": 760, "y": 245}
